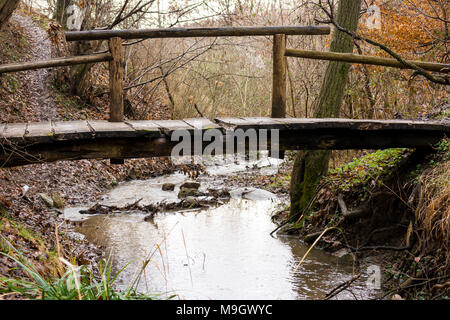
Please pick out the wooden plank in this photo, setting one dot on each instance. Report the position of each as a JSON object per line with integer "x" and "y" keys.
{"x": 372, "y": 60}
{"x": 39, "y": 132}
{"x": 251, "y": 122}
{"x": 122, "y": 148}
{"x": 145, "y": 128}
{"x": 338, "y": 123}
{"x": 230, "y": 122}
{"x": 198, "y": 32}
{"x": 169, "y": 126}
{"x": 51, "y": 63}
{"x": 262, "y": 123}
{"x": 106, "y": 129}
{"x": 116, "y": 76}
{"x": 72, "y": 130}
{"x": 279, "y": 87}
{"x": 73, "y": 140}
{"x": 14, "y": 131}
{"x": 201, "y": 123}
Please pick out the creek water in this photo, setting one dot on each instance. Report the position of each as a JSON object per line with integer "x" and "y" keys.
{"x": 223, "y": 252}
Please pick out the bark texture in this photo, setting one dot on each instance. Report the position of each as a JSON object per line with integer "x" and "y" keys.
{"x": 309, "y": 166}
{"x": 6, "y": 9}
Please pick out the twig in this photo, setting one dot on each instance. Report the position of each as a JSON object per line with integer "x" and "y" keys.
{"x": 357, "y": 213}
{"x": 343, "y": 286}
{"x": 310, "y": 248}
{"x": 391, "y": 248}
{"x": 199, "y": 112}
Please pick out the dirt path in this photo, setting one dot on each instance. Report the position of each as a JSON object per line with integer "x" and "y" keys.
{"x": 37, "y": 82}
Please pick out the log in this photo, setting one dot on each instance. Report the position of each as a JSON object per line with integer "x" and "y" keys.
{"x": 279, "y": 77}
{"x": 58, "y": 62}
{"x": 279, "y": 82}
{"x": 197, "y": 32}
{"x": 356, "y": 58}
{"x": 116, "y": 76}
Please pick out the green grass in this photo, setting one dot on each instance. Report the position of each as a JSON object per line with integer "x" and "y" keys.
{"x": 77, "y": 283}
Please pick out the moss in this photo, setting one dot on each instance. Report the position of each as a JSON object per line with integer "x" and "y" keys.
{"x": 308, "y": 171}
{"x": 362, "y": 171}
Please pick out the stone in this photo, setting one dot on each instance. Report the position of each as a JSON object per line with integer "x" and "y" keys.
{"x": 341, "y": 252}
{"x": 190, "y": 202}
{"x": 186, "y": 192}
{"x": 58, "y": 201}
{"x": 150, "y": 218}
{"x": 47, "y": 199}
{"x": 190, "y": 185}
{"x": 252, "y": 194}
{"x": 168, "y": 187}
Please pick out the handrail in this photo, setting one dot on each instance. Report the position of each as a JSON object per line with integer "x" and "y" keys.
{"x": 115, "y": 57}
{"x": 58, "y": 62}
{"x": 356, "y": 58}
{"x": 197, "y": 32}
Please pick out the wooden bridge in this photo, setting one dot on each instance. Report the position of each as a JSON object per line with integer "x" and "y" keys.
{"x": 73, "y": 140}
{"x": 117, "y": 139}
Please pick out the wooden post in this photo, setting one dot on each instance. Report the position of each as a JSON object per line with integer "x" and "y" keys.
{"x": 116, "y": 75}
{"x": 279, "y": 82}
{"x": 279, "y": 77}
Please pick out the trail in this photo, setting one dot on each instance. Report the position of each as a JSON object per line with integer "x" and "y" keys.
{"x": 37, "y": 82}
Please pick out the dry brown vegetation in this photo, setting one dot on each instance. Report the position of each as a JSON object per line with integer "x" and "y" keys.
{"x": 433, "y": 209}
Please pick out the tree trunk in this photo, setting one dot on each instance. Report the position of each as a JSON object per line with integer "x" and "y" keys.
{"x": 81, "y": 75}
{"x": 6, "y": 9}
{"x": 61, "y": 12}
{"x": 310, "y": 166}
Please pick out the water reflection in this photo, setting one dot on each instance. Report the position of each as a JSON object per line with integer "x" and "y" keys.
{"x": 219, "y": 253}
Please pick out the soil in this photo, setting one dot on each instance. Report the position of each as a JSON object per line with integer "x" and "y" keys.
{"x": 37, "y": 82}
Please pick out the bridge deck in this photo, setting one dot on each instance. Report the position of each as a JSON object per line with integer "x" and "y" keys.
{"x": 25, "y": 143}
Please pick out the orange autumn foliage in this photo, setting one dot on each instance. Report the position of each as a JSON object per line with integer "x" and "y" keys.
{"x": 416, "y": 29}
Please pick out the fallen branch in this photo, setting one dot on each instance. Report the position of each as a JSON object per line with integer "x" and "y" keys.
{"x": 440, "y": 286}
{"x": 354, "y": 214}
{"x": 310, "y": 248}
{"x": 391, "y": 248}
{"x": 342, "y": 287}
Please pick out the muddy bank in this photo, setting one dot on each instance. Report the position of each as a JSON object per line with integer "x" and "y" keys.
{"x": 390, "y": 209}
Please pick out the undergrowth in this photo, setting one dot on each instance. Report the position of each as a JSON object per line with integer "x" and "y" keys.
{"x": 76, "y": 283}
{"x": 39, "y": 270}
{"x": 364, "y": 170}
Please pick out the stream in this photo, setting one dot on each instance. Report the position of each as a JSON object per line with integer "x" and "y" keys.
{"x": 222, "y": 252}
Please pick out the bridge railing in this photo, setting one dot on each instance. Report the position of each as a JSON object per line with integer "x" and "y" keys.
{"x": 116, "y": 57}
